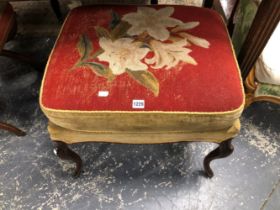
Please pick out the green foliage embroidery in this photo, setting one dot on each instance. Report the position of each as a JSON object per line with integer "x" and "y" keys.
{"x": 268, "y": 90}
{"x": 145, "y": 78}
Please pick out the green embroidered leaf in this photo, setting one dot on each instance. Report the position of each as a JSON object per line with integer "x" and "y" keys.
{"x": 145, "y": 78}
{"x": 97, "y": 53}
{"x": 268, "y": 90}
{"x": 115, "y": 20}
{"x": 120, "y": 30}
{"x": 100, "y": 70}
{"x": 102, "y": 32}
{"x": 84, "y": 47}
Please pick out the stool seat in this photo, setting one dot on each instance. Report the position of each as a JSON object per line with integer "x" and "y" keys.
{"x": 142, "y": 75}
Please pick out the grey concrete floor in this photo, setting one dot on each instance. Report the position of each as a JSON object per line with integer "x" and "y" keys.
{"x": 115, "y": 176}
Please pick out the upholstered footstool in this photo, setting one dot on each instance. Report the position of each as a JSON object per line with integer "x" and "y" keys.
{"x": 142, "y": 75}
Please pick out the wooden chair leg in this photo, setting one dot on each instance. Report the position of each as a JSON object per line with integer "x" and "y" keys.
{"x": 15, "y": 55}
{"x": 11, "y": 129}
{"x": 18, "y": 56}
{"x": 225, "y": 149}
{"x": 63, "y": 152}
{"x": 56, "y": 8}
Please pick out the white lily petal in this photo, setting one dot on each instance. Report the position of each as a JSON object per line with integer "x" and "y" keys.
{"x": 150, "y": 61}
{"x": 123, "y": 54}
{"x": 190, "y": 60}
{"x": 154, "y": 22}
{"x": 142, "y": 52}
{"x": 172, "y": 64}
{"x": 196, "y": 40}
{"x": 136, "y": 66}
{"x": 171, "y": 22}
{"x": 185, "y": 26}
{"x": 168, "y": 55}
{"x": 103, "y": 57}
{"x": 132, "y": 18}
{"x": 135, "y": 30}
{"x": 104, "y": 43}
{"x": 161, "y": 34}
{"x": 166, "y": 11}
{"x": 146, "y": 10}
{"x": 116, "y": 68}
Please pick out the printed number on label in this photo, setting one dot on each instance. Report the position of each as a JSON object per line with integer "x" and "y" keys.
{"x": 138, "y": 104}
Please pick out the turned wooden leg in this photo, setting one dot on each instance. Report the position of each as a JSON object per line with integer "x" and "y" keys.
{"x": 63, "y": 152}
{"x": 225, "y": 149}
{"x": 11, "y": 129}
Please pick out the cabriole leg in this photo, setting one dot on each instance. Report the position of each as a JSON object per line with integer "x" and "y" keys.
{"x": 11, "y": 129}
{"x": 225, "y": 149}
{"x": 63, "y": 152}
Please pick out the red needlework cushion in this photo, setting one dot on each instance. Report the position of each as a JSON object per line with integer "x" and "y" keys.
{"x": 7, "y": 19}
{"x": 167, "y": 58}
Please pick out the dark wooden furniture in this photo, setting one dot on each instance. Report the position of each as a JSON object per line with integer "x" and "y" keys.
{"x": 8, "y": 30}
{"x": 56, "y": 8}
{"x": 12, "y": 129}
{"x": 54, "y": 5}
{"x": 266, "y": 20}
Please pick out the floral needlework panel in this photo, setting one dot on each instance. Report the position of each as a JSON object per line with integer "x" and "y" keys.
{"x": 170, "y": 58}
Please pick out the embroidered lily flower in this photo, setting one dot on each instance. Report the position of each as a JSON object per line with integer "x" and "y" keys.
{"x": 168, "y": 55}
{"x": 188, "y": 37}
{"x": 122, "y": 54}
{"x": 152, "y": 21}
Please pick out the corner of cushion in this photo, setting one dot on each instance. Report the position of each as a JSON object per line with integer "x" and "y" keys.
{"x": 242, "y": 105}
{"x": 44, "y": 107}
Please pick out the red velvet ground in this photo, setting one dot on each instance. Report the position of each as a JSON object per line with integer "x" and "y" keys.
{"x": 211, "y": 86}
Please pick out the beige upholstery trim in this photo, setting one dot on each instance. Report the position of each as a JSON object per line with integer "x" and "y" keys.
{"x": 145, "y": 122}
{"x": 72, "y": 136}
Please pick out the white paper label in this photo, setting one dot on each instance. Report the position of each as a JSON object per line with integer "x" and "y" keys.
{"x": 138, "y": 104}
{"x": 103, "y": 93}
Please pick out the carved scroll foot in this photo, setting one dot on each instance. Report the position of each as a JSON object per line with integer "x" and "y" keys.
{"x": 63, "y": 152}
{"x": 225, "y": 149}
{"x": 11, "y": 129}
